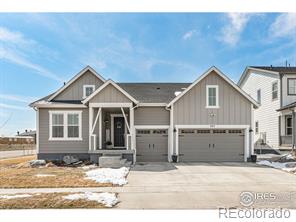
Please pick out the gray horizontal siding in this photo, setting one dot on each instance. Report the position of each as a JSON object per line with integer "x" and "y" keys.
{"x": 152, "y": 116}
{"x": 191, "y": 108}
{"x": 110, "y": 95}
{"x": 46, "y": 146}
{"x": 75, "y": 90}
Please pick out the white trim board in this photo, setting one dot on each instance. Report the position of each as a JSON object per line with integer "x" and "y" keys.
{"x": 84, "y": 89}
{"x": 152, "y": 126}
{"x": 244, "y": 127}
{"x": 217, "y": 97}
{"x": 223, "y": 76}
{"x": 65, "y": 125}
{"x": 87, "y": 68}
{"x": 59, "y": 105}
{"x": 110, "y": 105}
{"x": 104, "y": 86}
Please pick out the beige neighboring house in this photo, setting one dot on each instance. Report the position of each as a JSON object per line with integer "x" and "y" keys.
{"x": 210, "y": 119}
{"x": 274, "y": 88}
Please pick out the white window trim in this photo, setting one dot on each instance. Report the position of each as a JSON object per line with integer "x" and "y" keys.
{"x": 217, "y": 96}
{"x": 277, "y": 91}
{"x": 84, "y": 89}
{"x": 65, "y": 113}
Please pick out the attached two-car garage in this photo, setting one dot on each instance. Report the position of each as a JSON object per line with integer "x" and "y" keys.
{"x": 211, "y": 145}
{"x": 194, "y": 145}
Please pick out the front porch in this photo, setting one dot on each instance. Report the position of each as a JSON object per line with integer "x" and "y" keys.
{"x": 111, "y": 130}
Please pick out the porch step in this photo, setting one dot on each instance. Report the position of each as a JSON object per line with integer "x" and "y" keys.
{"x": 112, "y": 161}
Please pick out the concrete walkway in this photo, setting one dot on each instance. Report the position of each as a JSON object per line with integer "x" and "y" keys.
{"x": 16, "y": 153}
{"x": 193, "y": 186}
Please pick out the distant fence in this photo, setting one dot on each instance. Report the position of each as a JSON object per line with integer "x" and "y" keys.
{"x": 25, "y": 147}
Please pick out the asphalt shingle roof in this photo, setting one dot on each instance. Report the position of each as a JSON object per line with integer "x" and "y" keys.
{"x": 153, "y": 92}
{"x": 280, "y": 69}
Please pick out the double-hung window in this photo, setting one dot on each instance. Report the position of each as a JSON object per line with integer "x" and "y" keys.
{"x": 212, "y": 96}
{"x": 274, "y": 90}
{"x": 292, "y": 86}
{"x": 65, "y": 125}
{"x": 87, "y": 90}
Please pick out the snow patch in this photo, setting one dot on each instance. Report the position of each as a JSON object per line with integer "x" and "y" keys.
{"x": 108, "y": 199}
{"x": 15, "y": 196}
{"x": 89, "y": 167}
{"x": 286, "y": 166}
{"x": 45, "y": 175}
{"x": 109, "y": 175}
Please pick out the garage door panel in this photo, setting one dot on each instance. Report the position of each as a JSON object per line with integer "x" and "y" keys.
{"x": 152, "y": 145}
{"x": 216, "y": 145}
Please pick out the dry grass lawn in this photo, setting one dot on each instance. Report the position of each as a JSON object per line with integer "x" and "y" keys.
{"x": 15, "y": 173}
{"x": 47, "y": 201}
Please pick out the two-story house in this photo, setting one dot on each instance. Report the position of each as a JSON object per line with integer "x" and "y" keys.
{"x": 274, "y": 88}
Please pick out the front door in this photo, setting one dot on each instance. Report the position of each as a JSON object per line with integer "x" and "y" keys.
{"x": 119, "y": 130}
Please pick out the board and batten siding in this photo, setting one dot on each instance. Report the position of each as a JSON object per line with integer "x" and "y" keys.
{"x": 152, "y": 116}
{"x": 287, "y": 99}
{"x": 110, "y": 95}
{"x": 46, "y": 146}
{"x": 266, "y": 114}
{"x": 191, "y": 109}
{"x": 75, "y": 90}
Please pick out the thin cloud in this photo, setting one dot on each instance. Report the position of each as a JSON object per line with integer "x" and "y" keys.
{"x": 284, "y": 26}
{"x": 7, "y": 106}
{"x": 17, "y": 98}
{"x": 236, "y": 25}
{"x": 12, "y": 49}
{"x": 188, "y": 35}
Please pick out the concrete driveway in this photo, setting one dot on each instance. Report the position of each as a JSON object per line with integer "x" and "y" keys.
{"x": 204, "y": 185}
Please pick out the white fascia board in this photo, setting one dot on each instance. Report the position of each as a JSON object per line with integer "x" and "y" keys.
{"x": 105, "y": 85}
{"x": 152, "y": 104}
{"x": 110, "y": 105}
{"x": 223, "y": 76}
{"x": 246, "y": 72}
{"x": 152, "y": 126}
{"x": 87, "y": 68}
{"x": 59, "y": 105}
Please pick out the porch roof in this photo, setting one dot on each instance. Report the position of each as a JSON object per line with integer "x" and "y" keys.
{"x": 291, "y": 105}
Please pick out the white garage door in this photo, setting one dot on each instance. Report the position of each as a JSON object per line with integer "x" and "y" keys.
{"x": 211, "y": 145}
{"x": 152, "y": 145}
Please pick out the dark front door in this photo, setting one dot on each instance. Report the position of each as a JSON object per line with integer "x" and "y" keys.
{"x": 118, "y": 131}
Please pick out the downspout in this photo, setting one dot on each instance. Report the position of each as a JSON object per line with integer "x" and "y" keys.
{"x": 281, "y": 104}
{"x": 293, "y": 129}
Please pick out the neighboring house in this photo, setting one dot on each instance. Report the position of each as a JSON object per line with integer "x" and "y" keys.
{"x": 30, "y": 133}
{"x": 274, "y": 88}
{"x": 13, "y": 140}
{"x": 207, "y": 120}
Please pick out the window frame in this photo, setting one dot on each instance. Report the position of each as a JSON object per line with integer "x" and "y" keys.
{"x": 259, "y": 90}
{"x": 277, "y": 90}
{"x": 84, "y": 90}
{"x": 288, "y": 80}
{"x": 286, "y": 127}
{"x": 257, "y": 127}
{"x": 65, "y": 125}
{"x": 217, "y": 96}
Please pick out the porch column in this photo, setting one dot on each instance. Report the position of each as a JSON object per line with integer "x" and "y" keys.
{"x": 132, "y": 129}
{"x": 100, "y": 129}
{"x": 91, "y": 119}
{"x": 293, "y": 129}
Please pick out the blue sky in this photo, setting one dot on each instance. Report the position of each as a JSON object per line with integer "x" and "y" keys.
{"x": 38, "y": 52}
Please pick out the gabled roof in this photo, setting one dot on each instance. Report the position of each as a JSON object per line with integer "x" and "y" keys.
{"x": 268, "y": 69}
{"x": 153, "y": 92}
{"x": 223, "y": 76}
{"x": 108, "y": 82}
{"x": 87, "y": 68}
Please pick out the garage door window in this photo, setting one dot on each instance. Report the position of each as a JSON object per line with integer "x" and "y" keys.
{"x": 203, "y": 131}
{"x": 187, "y": 131}
{"x": 143, "y": 131}
{"x": 159, "y": 131}
{"x": 219, "y": 131}
{"x": 234, "y": 131}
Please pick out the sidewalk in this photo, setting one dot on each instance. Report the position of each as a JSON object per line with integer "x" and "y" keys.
{"x": 16, "y": 153}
